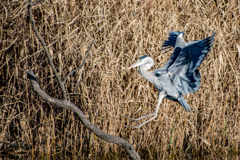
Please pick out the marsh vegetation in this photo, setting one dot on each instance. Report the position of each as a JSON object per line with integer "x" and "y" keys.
{"x": 123, "y": 31}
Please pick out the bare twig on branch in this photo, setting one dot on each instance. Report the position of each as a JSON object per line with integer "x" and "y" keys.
{"x": 31, "y": 19}
{"x": 73, "y": 71}
{"x": 71, "y": 106}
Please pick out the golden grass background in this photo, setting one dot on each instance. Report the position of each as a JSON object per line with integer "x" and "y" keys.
{"x": 124, "y": 31}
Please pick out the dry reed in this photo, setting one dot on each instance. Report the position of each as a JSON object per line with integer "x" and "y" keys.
{"x": 124, "y": 31}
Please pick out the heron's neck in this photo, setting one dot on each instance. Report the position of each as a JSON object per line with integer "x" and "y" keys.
{"x": 143, "y": 70}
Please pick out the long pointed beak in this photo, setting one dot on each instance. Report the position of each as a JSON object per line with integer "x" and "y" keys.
{"x": 128, "y": 68}
{"x": 132, "y": 66}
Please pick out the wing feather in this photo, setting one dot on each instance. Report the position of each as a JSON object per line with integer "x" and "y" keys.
{"x": 185, "y": 67}
{"x": 174, "y": 40}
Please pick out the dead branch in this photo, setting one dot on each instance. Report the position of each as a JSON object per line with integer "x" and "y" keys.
{"x": 71, "y": 106}
{"x": 67, "y": 104}
{"x": 31, "y": 19}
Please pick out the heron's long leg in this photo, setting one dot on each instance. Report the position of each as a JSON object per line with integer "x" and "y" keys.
{"x": 161, "y": 95}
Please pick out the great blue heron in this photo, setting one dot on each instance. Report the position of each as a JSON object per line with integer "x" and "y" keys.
{"x": 180, "y": 74}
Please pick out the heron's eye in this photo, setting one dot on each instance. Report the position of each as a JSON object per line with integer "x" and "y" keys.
{"x": 140, "y": 60}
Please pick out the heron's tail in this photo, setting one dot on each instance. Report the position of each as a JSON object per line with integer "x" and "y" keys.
{"x": 183, "y": 103}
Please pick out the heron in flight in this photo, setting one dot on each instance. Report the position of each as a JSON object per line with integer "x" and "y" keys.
{"x": 179, "y": 75}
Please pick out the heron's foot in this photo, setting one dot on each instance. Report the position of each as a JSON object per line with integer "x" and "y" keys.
{"x": 136, "y": 119}
{"x": 138, "y": 126}
{"x": 133, "y": 119}
{"x": 135, "y": 127}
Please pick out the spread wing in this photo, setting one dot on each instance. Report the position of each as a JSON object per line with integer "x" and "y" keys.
{"x": 185, "y": 67}
{"x": 174, "y": 40}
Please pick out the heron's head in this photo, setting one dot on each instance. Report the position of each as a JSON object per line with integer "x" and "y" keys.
{"x": 144, "y": 60}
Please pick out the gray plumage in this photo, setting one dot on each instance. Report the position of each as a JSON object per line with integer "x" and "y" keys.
{"x": 180, "y": 74}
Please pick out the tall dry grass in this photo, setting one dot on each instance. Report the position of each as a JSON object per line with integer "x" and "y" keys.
{"x": 124, "y": 31}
